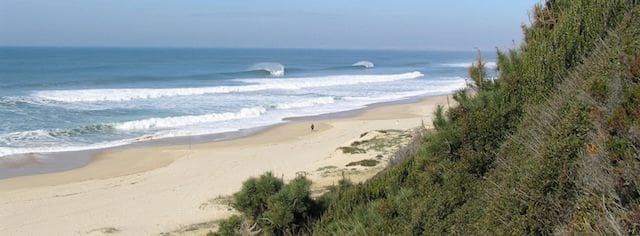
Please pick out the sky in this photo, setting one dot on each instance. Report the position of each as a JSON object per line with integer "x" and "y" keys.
{"x": 349, "y": 24}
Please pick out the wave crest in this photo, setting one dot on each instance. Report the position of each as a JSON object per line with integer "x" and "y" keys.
{"x": 363, "y": 64}
{"x": 274, "y": 69}
{"x": 181, "y": 121}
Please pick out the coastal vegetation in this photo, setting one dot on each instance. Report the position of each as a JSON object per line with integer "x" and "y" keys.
{"x": 552, "y": 145}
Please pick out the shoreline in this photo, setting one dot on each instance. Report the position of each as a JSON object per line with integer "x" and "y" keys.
{"x": 156, "y": 189}
{"x": 30, "y": 164}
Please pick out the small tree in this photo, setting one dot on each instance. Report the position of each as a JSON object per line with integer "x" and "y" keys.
{"x": 439, "y": 120}
{"x": 478, "y": 74}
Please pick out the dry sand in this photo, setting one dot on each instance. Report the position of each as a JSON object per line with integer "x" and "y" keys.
{"x": 154, "y": 190}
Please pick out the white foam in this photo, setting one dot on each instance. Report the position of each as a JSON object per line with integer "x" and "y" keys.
{"x": 114, "y": 95}
{"x": 22, "y": 136}
{"x": 7, "y": 151}
{"x": 488, "y": 64}
{"x": 50, "y": 144}
{"x": 336, "y": 80}
{"x": 439, "y": 88}
{"x": 306, "y": 103}
{"x": 181, "y": 121}
{"x": 365, "y": 64}
{"x": 275, "y": 69}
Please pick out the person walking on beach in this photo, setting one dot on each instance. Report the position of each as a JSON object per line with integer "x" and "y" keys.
{"x": 312, "y": 127}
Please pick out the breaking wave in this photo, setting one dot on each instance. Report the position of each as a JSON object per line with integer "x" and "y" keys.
{"x": 363, "y": 64}
{"x": 273, "y": 68}
{"x": 181, "y": 121}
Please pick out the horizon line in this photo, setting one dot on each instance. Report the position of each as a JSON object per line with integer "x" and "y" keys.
{"x": 473, "y": 49}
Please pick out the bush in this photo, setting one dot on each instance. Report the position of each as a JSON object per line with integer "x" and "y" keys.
{"x": 228, "y": 227}
{"x": 439, "y": 121}
{"x": 252, "y": 200}
{"x": 290, "y": 208}
{"x": 275, "y": 207}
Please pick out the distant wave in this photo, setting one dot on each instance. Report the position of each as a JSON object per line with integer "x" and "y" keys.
{"x": 274, "y": 69}
{"x": 249, "y": 73}
{"x": 488, "y": 64}
{"x": 363, "y": 64}
{"x": 114, "y": 95}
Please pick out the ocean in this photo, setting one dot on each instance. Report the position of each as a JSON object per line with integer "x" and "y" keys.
{"x": 72, "y": 99}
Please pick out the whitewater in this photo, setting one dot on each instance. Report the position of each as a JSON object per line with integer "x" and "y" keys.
{"x": 60, "y": 100}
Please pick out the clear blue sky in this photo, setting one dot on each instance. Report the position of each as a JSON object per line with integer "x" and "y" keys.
{"x": 375, "y": 24}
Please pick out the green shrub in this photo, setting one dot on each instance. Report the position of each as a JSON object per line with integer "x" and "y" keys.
{"x": 228, "y": 227}
{"x": 275, "y": 207}
{"x": 439, "y": 121}
{"x": 478, "y": 74}
{"x": 252, "y": 200}
{"x": 290, "y": 208}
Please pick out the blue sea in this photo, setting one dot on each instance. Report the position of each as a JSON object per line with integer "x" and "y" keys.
{"x": 71, "y": 99}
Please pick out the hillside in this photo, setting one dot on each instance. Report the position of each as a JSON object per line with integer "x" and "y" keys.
{"x": 550, "y": 146}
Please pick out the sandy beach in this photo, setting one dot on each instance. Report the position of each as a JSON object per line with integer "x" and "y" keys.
{"x": 154, "y": 190}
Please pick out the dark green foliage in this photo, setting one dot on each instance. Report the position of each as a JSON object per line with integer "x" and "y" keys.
{"x": 275, "y": 207}
{"x": 252, "y": 198}
{"x": 228, "y": 227}
{"x": 290, "y": 208}
{"x": 478, "y": 74}
{"x": 439, "y": 121}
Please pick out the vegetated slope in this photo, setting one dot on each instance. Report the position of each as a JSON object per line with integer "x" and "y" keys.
{"x": 551, "y": 146}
